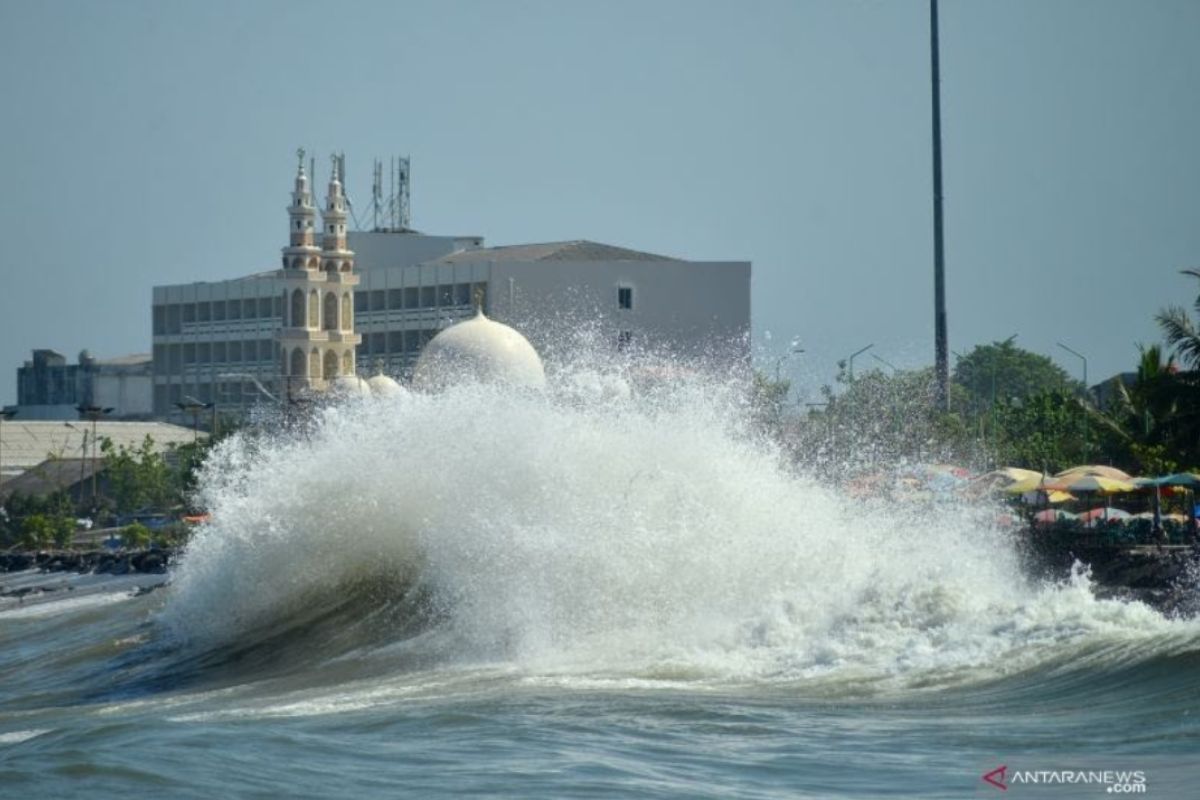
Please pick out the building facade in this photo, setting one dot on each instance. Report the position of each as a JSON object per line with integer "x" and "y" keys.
{"x": 50, "y": 388}
{"x": 367, "y": 302}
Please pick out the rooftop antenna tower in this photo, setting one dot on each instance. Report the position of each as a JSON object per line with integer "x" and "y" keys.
{"x": 390, "y": 211}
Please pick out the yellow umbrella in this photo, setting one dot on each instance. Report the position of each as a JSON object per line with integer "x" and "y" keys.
{"x": 1032, "y": 483}
{"x": 1089, "y": 484}
{"x": 1052, "y": 497}
{"x": 1097, "y": 471}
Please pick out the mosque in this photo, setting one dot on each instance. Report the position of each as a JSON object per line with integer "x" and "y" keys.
{"x": 366, "y": 306}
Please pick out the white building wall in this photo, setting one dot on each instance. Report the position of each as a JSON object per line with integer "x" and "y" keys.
{"x": 692, "y": 309}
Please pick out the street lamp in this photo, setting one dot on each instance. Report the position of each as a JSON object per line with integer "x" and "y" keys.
{"x": 886, "y": 363}
{"x": 82, "y": 459}
{"x": 191, "y": 405}
{"x": 1086, "y": 392}
{"x": 855, "y": 355}
{"x": 93, "y": 413}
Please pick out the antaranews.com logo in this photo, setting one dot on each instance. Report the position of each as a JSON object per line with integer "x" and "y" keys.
{"x": 1112, "y": 781}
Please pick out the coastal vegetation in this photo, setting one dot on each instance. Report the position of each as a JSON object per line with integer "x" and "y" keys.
{"x": 1008, "y": 407}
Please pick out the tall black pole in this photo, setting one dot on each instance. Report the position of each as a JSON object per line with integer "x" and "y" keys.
{"x": 940, "y": 345}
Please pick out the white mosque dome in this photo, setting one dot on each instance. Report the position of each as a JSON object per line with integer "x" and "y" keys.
{"x": 383, "y": 386}
{"x": 479, "y": 349}
{"x": 351, "y": 386}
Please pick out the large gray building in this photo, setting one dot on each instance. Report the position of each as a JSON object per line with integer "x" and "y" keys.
{"x": 217, "y": 342}
{"x": 48, "y": 387}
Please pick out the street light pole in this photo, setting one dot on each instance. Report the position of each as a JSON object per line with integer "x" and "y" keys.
{"x": 886, "y": 363}
{"x": 855, "y": 355}
{"x": 1086, "y": 393}
{"x": 94, "y": 413}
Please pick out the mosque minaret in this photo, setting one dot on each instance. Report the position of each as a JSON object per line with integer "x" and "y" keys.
{"x": 317, "y": 339}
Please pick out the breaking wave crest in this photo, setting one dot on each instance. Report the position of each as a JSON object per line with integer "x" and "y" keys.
{"x": 594, "y": 532}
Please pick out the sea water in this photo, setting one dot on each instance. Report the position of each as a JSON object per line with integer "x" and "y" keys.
{"x": 588, "y": 592}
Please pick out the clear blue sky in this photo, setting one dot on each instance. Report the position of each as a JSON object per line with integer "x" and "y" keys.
{"x": 150, "y": 142}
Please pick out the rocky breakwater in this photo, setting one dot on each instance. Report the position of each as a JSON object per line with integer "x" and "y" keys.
{"x": 100, "y": 562}
{"x": 1166, "y": 578}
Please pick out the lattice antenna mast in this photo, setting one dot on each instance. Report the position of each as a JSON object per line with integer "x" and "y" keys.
{"x": 403, "y": 174}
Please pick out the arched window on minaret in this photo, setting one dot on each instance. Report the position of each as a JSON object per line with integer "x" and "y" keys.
{"x": 297, "y": 320}
{"x": 298, "y": 370}
{"x": 347, "y": 313}
{"x": 331, "y": 311}
{"x": 314, "y": 363}
{"x": 348, "y": 362}
{"x": 314, "y": 310}
{"x": 331, "y": 365}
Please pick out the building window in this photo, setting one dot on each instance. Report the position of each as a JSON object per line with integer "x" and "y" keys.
{"x": 360, "y": 301}
{"x": 160, "y": 320}
{"x": 378, "y": 343}
{"x": 428, "y": 296}
{"x": 412, "y": 297}
{"x": 445, "y": 295}
{"x": 203, "y": 353}
{"x": 218, "y": 310}
{"x": 462, "y": 294}
{"x": 624, "y": 341}
{"x": 218, "y": 352}
{"x": 203, "y": 312}
{"x": 412, "y": 341}
{"x": 625, "y": 297}
{"x": 377, "y": 300}
{"x": 395, "y": 341}
{"x": 189, "y": 313}
{"x": 173, "y": 323}
{"x": 234, "y": 311}
{"x": 395, "y": 298}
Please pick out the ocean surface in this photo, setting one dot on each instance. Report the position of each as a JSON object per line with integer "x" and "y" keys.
{"x": 597, "y": 592}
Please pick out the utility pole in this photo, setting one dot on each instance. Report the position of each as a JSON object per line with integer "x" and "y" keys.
{"x": 940, "y": 342}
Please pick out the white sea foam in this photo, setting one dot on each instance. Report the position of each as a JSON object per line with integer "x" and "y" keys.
{"x": 592, "y": 533}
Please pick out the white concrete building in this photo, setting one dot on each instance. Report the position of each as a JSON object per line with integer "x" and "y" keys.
{"x": 225, "y": 342}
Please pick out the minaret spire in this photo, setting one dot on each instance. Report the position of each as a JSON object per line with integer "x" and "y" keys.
{"x": 316, "y": 337}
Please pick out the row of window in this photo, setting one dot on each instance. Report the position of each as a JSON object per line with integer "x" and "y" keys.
{"x": 171, "y": 318}
{"x": 171, "y": 358}
{"x": 440, "y": 296}
{"x": 394, "y": 342}
{"x": 223, "y": 393}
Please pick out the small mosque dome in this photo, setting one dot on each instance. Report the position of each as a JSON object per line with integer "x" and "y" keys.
{"x": 350, "y": 386}
{"x": 383, "y": 386}
{"x": 479, "y": 349}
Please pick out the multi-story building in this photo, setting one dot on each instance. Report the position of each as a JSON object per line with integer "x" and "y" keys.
{"x": 237, "y": 341}
{"x": 50, "y": 388}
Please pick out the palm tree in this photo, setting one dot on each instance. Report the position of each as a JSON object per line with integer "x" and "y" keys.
{"x": 1182, "y": 334}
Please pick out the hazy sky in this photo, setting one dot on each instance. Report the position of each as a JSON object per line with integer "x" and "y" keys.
{"x": 152, "y": 142}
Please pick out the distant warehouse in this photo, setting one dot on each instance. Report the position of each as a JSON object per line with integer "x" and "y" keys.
{"x": 236, "y": 342}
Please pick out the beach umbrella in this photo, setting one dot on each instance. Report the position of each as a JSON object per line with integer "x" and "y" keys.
{"x": 1090, "y": 484}
{"x": 1190, "y": 480}
{"x": 1095, "y": 470}
{"x": 1033, "y": 483}
{"x": 1037, "y": 497}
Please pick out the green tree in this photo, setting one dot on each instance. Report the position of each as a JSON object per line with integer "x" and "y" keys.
{"x": 1182, "y": 334}
{"x": 135, "y": 535}
{"x": 139, "y": 477}
{"x": 36, "y": 531}
{"x": 1002, "y": 372}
